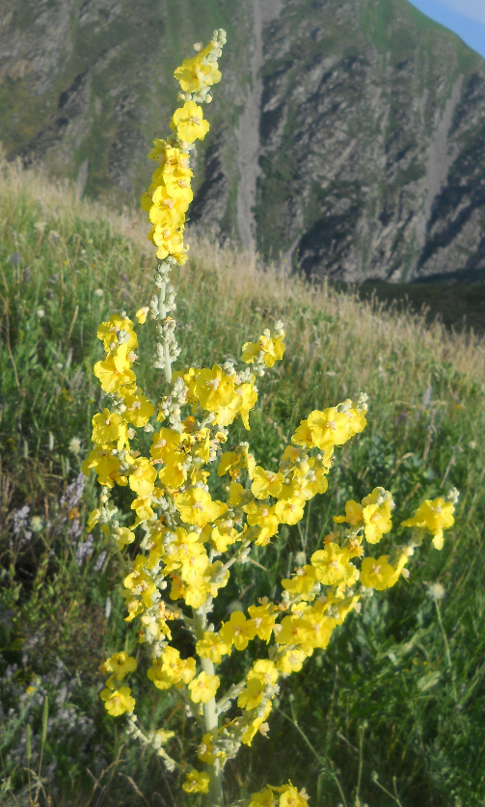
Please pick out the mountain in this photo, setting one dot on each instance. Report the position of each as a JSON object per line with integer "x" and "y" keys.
{"x": 348, "y": 136}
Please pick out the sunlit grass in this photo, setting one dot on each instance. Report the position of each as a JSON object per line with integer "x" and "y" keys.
{"x": 399, "y": 691}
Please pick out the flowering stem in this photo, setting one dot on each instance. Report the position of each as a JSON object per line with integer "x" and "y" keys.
{"x": 216, "y": 795}
{"x": 162, "y": 314}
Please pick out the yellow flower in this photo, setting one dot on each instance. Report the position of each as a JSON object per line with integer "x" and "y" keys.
{"x": 214, "y": 388}
{"x": 377, "y": 520}
{"x": 257, "y": 723}
{"x": 167, "y": 446}
{"x": 302, "y": 581}
{"x": 212, "y": 646}
{"x": 166, "y": 212}
{"x": 229, "y": 461}
{"x": 291, "y": 661}
{"x": 332, "y": 566}
{"x": 263, "y": 619}
{"x": 109, "y": 428}
{"x": 159, "y": 150}
{"x": 192, "y": 75}
{"x": 245, "y": 397}
{"x": 142, "y": 314}
{"x": 196, "y": 782}
{"x": 264, "y": 798}
{"x": 290, "y": 797}
{"x": 264, "y": 517}
{"x": 204, "y": 751}
{"x": 272, "y": 349}
{"x": 238, "y": 631}
{"x": 118, "y": 701}
{"x": 170, "y": 669}
{"x": 179, "y": 187}
{"x": 223, "y": 536}
{"x": 120, "y": 664}
{"x": 353, "y": 514}
{"x": 106, "y": 465}
{"x": 378, "y": 574}
{"x": 138, "y": 410}
{"x": 196, "y": 507}
{"x": 204, "y": 687}
{"x": 189, "y": 123}
{"x": 169, "y": 242}
{"x": 290, "y": 511}
{"x": 266, "y": 483}
{"x": 142, "y": 477}
{"x": 116, "y": 331}
{"x": 114, "y": 373}
{"x": 434, "y": 516}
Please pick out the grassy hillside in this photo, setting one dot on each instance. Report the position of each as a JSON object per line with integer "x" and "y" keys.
{"x": 392, "y": 712}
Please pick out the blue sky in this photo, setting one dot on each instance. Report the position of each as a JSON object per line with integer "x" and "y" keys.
{"x": 465, "y": 17}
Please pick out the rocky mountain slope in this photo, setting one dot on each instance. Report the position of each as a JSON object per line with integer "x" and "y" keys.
{"x": 348, "y": 135}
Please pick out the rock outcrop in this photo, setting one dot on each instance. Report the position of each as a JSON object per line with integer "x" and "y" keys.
{"x": 348, "y": 136}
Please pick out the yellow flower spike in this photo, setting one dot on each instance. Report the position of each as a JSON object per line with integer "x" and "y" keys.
{"x": 203, "y": 688}
{"x": 189, "y": 124}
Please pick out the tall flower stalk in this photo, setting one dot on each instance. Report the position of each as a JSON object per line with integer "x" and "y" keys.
{"x": 187, "y": 540}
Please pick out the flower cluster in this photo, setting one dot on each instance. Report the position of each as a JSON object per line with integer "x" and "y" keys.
{"x": 170, "y": 194}
{"x": 187, "y": 539}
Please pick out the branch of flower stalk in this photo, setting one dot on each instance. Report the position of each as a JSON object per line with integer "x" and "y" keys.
{"x": 138, "y": 733}
{"x": 237, "y": 556}
{"x": 211, "y": 715}
{"x": 231, "y": 693}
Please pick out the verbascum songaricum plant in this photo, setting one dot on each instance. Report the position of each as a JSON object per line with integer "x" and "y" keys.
{"x": 186, "y": 539}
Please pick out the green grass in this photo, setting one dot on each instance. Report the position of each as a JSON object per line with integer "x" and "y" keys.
{"x": 400, "y": 691}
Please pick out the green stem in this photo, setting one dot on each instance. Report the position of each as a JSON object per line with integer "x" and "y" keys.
{"x": 216, "y": 794}
{"x": 447, "y": 650}
{"x": 162, "y": 314}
